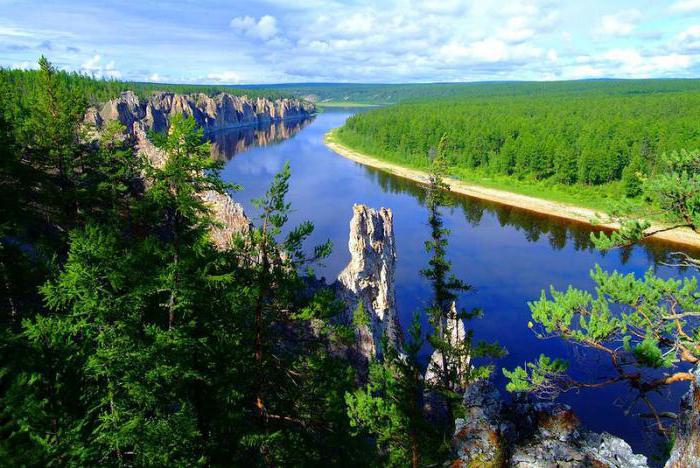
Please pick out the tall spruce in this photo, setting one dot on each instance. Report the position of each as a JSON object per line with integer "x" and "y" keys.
{"x": 454, "y": 369}
{"x": 390, "y": 406}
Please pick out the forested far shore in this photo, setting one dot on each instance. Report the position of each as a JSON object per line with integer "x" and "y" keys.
{"x": 587, "y": 150}
{"x": 385, "y": 94}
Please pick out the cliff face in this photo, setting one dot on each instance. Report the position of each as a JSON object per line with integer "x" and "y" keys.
{"x": 211, "y": 113}
{"x": 220, "y": 112}
{"x": 229, "y": 214}
{"x": 686, "y": 448}
{"x": 366, "y": 285}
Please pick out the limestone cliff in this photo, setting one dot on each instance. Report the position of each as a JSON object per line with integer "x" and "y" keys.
{"x": 220, "y": 112}
{"x": 229, "y": 214}
{"x": 366, "y": 285}
{"x": 211, "y": 113}
{"x": 434, "y": 404}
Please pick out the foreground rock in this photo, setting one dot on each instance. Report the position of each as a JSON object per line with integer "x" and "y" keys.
{"x": 456, "y": 333}
{"x": 527, "y": 434}
{"x": 366, "y": 285}
{"x": 686, "y": 448}
{"x": 434, "y": 405}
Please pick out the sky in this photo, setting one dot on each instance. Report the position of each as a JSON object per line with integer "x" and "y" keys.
{"x": 398, "y": 41}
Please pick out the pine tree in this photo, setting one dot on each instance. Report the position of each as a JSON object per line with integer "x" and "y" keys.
{"x": 645, "y": 326}
{"x": 296, "y": 386}
{"x": 453, "y": 371}
{"x": 390, "y": 406}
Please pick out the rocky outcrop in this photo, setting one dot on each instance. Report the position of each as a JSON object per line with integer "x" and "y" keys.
{"x": 366, "y": 285}
{"x": 527, "y": 434}
{"x": 219, "y": 112}
{"x": 230, "y": 217}
{"x": 686, "y": 447}
{"x": 456, "y": 333}
{"x": 434, "y": 403}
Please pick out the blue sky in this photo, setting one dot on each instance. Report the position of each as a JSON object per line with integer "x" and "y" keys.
{"x": 273, "y": 41}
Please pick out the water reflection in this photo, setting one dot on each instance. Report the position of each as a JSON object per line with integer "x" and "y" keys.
{"x": 508, "y": 255}
{"x": 559, "y": 232}
{"x": 228, "y": 143}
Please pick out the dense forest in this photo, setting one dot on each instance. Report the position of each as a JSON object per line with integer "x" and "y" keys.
{"x": 24, "y": 82}
{"x": 613, "y": 131}
{"x": 383, "y": 94}
{"x": 129, "y": 338}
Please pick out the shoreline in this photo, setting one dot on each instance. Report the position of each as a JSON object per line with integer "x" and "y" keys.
{"x": 682, "y": 236}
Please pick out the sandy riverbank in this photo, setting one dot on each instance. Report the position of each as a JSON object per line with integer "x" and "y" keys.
{"x": 685, "y": 237}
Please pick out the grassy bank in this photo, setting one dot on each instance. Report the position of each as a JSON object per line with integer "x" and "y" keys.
{"x": 594, "y": 197}
{"x": 584, "y": 206}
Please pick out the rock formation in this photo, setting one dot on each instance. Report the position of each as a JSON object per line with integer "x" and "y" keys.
{"x": 220, "y": 112}
{"x": 434, "y": 404}
{"x": 456, "y": 333}
{"x": 686, "y": 448}
{"x": 366, "y": 285}
{"x": 527, "y": 434}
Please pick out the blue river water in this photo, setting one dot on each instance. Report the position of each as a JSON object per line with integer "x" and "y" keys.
{"x": 508, "y": 255}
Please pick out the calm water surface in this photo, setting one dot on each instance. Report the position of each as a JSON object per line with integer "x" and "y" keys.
{"x": 508, "y": 255}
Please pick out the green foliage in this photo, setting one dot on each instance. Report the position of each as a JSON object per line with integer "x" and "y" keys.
{"x": 389, "y": 407}
{"x": 453, "y": 371}
{"x": 648, "y": 353}
{"x": 641, "y": 322}
{"x": 384, "y": 94}
{"x": 360, "y": 317}
{"x": 96, "y": 91}
{"x": 513, "y": 131}
{"x": 673, "y": 191}
{"x": 128, "y": 338}
{"x": 535, "y": 376}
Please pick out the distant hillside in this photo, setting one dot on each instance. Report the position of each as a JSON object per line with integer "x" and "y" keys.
{"x": 392, "y": 93}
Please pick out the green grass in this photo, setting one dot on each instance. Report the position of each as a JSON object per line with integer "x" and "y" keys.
{"x": 600, "y": 198}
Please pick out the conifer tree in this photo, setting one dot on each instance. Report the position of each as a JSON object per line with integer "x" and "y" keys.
{"x": 645, "y": 326}
{"x": 452, "y": 371}
{"x": 390, "y": 406}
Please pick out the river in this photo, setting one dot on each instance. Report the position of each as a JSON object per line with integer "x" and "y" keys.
{"x": 507, "y": 255}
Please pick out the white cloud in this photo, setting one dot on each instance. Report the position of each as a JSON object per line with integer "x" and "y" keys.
{"x": 94, "y": 67}
{"x": 226, "y": 77}
{"x": 265, "y": 28}
{"x": 516, "y": 30}
{"x": 631, "y": 63}
{"x": 14, "y": 32}
{"x": 583, "y": 71}
{"x": 487, "y": 51}
{"x": 689, "y": 35}
{"x": 619, "y": 24}
{"x": 686, "y": 6}
{"x": 391, "y": 40}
